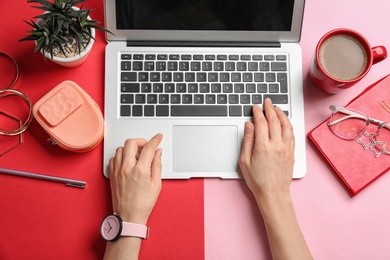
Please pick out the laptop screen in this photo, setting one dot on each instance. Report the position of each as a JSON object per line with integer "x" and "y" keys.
{"x": 235, "y": 15}
{"x": 266, "y": 21}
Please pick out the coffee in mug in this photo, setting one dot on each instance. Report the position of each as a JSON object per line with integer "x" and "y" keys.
{"x": 342, "y": 58}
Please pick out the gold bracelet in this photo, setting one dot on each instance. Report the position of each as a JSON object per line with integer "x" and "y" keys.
{"x": 13, "y": 92}
{"x": 16, "y": 67}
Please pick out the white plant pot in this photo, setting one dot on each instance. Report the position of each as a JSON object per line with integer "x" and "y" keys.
{"x": 77, "y": 60}
{"x": 71, "y": 62}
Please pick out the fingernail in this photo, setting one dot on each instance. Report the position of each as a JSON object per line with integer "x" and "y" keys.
{"x": 248, "y": 127}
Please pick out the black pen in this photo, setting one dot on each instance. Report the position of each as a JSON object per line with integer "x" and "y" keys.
{"x": 67, "y": 182}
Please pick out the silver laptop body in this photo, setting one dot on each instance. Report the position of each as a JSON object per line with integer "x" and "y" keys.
{"x": 151, "y": 33}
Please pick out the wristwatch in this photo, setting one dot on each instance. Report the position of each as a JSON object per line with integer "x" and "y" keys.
{"x": 113, "y": 227}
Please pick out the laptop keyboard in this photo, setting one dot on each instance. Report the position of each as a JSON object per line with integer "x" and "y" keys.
{"x": 162, "y": 85}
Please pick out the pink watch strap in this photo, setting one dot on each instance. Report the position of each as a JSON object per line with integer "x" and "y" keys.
{"x": 135, "y": 230}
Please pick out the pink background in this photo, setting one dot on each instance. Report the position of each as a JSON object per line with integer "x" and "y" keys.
{"x": 335, "y": 225}
{"x": 195, "y": 219}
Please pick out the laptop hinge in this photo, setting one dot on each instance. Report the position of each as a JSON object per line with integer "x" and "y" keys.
{"x": 204, "y": 44}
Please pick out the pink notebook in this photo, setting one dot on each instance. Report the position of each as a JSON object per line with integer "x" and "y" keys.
{"x": 355, "y": 166}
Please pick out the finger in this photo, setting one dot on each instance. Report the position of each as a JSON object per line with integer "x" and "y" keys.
{"x": 247, "y": 145}
{"x": 287, "y": 129}
{"x": 117, "y": 160}
{"x": 274, "y": 127}
{"x": 131, "y": 151}
{"x": 260, "y": 125}
{"x": 149, "y": 150}
{"x": 157, "y": 165}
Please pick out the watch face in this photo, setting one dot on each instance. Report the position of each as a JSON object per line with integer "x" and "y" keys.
{"x": 111, "y": 228}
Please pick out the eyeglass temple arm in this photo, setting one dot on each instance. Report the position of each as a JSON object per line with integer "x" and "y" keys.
{"x": 346, "y": 111}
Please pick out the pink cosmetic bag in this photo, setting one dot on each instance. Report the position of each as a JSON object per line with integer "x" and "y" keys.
{"x": 71, "y": 117}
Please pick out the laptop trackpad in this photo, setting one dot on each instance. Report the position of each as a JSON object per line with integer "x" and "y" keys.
{"x": 205, "y": 148}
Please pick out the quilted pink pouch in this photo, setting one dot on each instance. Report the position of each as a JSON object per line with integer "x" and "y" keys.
{"x": 71, "y": 117}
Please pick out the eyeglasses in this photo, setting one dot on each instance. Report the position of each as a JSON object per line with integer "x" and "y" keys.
{"x": 351, "y": 124}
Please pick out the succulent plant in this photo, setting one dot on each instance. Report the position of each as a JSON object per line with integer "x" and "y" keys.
{"x": 61, "y": 25}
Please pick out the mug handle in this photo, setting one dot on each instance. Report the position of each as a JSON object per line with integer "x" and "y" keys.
{"x": 379, "y": 53}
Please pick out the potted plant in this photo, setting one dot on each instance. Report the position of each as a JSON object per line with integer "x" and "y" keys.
{"x": 64, "y": 33}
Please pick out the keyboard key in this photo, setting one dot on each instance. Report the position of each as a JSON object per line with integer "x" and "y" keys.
{"x": 137, "y": 65}
{"x": 130, "y": 87}
{"x": 127, "y": 98}
{"x": 279, "y": 66}
{"x": 158, "y": 87}
{"x": 256, "y": 99}
{"x": 197, "y": 57}
{"x": 230, "y": 66}
{"x": 126, "y": 56}
{"x": 204, "y": 88}
{"x": 186, "y": 57}
{"x": 235, "y": 111}
{"x": 250, "y": 88}
{"x": 195, "y": 66}
{"x": 137, "y": 110}
{"x": 151, "y": 99}
{"x": 207, "y": 66}
{"x": 149, "y": 110}
{"x": 175, "y": 99}
{"x": 146, "y": 87}
{"x": 125, "y": 110}
{"x": 248, "y": 111}
{"x": 187, "y": 99}
{"x": 224, "y": 77}
{"x": 162, "y": 57}
{"x": 222, "y": 99}
{"x": 172, "y": 65}
{"x": 198, "y": 99}
{"x": 205, "y": 110}
{"x": 140, "y": 98}
{"x": 190, "y": 77}
{"x": 245, "y": 99}
{"x": 221, "y": 57}
{"x": 174, "y": 57}
{"x": 161, "y": 65}
{"x": 216, "y": 88}
{"x": 245, "y": 57}
{"x": 277, "y": 99}
{"x": 239, "y": 88}
{"x": 149, "y": 65}
{"x": 163, "y": 99}
{"x": 162, "y": 110}
{"x": 201, "y": 77}
{"x": 210, "y": 57}
{"x": 150, "y": 57}
{"x": 213, "y": 77}
{"x": 274, "y": 88}
{"x": 184, "y": 66}
{"x": 138, "y": 56}
{"x": 192, "y": 88}
{"x": 234, "y": 99}
{"x": 282, "y": 79}
{"x": 241, "y": 66}
{"x": 227, "y": 88}
{"x": 281, "y": 57}
{"x": 264, "y": 66}
{"x": 257, "y": 57}
{"x": 210, "y": 99}
{"x": 270, "y": 77}
{"x": 126, "y": 65}
{"x": 129, "y": 76}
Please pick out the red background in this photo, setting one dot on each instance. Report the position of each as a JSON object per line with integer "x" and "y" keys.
{"x": 47, "y": 220}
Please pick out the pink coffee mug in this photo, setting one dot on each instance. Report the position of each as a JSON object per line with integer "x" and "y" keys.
{"x": 342, "y": 58}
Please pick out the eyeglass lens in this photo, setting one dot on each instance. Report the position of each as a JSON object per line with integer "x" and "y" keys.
{"x": 347, "y": 126}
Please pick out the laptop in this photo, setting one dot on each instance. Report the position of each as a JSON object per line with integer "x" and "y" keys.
{"x": 192, "y": 70}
